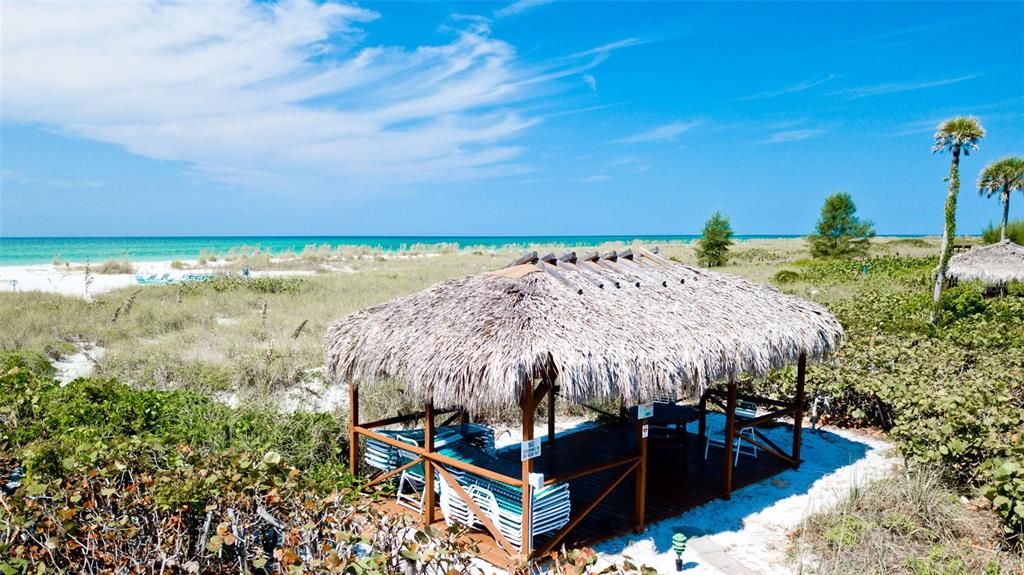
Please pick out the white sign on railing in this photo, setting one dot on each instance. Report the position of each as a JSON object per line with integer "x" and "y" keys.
{"x": 645, "y": 411}
{"x": 529, "y": 449}
{"x": 644, "y": 431}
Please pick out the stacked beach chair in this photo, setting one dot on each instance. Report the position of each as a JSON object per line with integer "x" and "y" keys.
{"x": 550, "y": 507}
{"x": 385, "y": 457}
{"x": 502, "y": 503}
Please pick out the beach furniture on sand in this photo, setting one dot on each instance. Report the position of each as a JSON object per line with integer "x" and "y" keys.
{"x": 745, "y": 411}
{"x": 472, "y": 444}
{"x": 550, "y": 507}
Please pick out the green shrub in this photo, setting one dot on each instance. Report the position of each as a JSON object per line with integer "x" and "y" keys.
{"x": 839, "y": 232}
{"x": 912, "y": 271}
{"x": 786, "y": 276}
{"x": 178, "y": 265}
{"x": 1006, "y": 491}
{"x": 962, "y": 302}
{"x": 713, "y": 246}
{"x": 44, "y": 424}
{"x": 231, "y": 282}
{"x": 1014, "y": 232}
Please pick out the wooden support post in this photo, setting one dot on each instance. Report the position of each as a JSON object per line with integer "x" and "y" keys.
{"x": 428, "y": 465}
{"x": 551, "y": 414}
{"x": 528, "y": 407}
{"x": 464, "y": 417}
{"x": 353, "y": 422}
{"x": 640, "y": 493}
{"x": 798, "y": 408}
{"x": 702, "y": 425}
{"x": 730, "y": 436}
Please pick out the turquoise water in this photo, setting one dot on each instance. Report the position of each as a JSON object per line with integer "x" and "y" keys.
{"x": 25, "y": 251}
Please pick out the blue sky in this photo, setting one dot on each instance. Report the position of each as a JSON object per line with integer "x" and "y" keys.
{"x": 479, "y": 118}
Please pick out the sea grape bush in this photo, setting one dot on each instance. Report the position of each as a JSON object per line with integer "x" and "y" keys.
{"x": 950, "y": 394}
{"x": 911, "y": 270}
{"x": 1006, "y": 491}
{"x": 262, "y": 285}
{"x": 127, "y": 481}
{"x": 224, "y": 513}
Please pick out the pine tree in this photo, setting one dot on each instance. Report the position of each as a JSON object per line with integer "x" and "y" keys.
{"x": 840, "y": 233}
{"x": 713, "y": 245}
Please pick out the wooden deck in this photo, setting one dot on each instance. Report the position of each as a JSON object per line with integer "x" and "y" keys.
{"x": 678, "y": 479}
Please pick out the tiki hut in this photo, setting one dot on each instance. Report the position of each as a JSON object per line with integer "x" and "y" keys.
{"x": 629, "y": 326}
{"x": 996, "y": 264}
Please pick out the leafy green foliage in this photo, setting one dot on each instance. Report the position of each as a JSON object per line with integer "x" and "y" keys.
{"x": 839, "y": 232}
{"x": 913, "y": 271}
{"x": 47, "y": 425}
{"x": 1014, "y": 232}
{"x": 1006, "y": 491}
{"x": 262, "y": 285}
{"x": 713, "y": 245}
{"x": 119, "y": 478}
{"x": 951, "y": 394}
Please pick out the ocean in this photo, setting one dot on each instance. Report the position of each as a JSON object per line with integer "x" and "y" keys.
{"x": 28, "y": 251}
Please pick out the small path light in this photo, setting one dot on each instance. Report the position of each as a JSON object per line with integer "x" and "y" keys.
{"x": 679, "y": 546}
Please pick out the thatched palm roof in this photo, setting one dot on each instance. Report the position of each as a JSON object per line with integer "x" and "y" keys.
{"x": 994, "y": 264}
{"x": 624, "y": 325}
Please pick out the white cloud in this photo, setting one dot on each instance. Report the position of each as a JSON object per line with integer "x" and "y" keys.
{"x": 896, "y": 87}
{"x": 663, "y": 133}
{"x": 591, "y": 81}
{"x": 799, "y": 87}
{"x": 15, "y": 176}
{"x": 793, "y": 135}
{"x": 596, "y": 178}
{"x": 273, "y": 94}
{"x": 519, "y": 6}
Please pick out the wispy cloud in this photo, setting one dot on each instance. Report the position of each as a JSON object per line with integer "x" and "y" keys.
{"x": 609, "y": 47}
{"x": 793, "y": 135}
{"x": 623, "y": 161}
{"x": 663, "y": 133}
{"x": 792, "y": 89}
{"x": 15, "y": 176}
{"x": 269, "y": 94}
{"x": 584, "y": 110}
{"x": 591, "y": 81}
{"x": 596, "y": 178}
{"x": 518, "y": 7}
{"x": 897, "y": 87}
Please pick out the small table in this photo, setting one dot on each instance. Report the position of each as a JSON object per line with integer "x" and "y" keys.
{"x": 667, "y": 415}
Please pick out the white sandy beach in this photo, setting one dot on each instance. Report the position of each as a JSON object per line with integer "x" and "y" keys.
{"x": 70, "y": 279}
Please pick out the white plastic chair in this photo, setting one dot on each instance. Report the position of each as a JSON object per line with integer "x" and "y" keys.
{"x": 411, "y": 479}
{"x": 716, "y": 438}
{"x": 455, "y": 510}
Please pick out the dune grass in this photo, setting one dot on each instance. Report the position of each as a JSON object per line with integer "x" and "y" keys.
{"x": 905, "y": 525}
{"x": 242, "y": 335}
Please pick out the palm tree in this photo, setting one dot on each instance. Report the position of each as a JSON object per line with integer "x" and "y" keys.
{"x": 1002, "y": 177}
{"x": 960, "y": 134}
